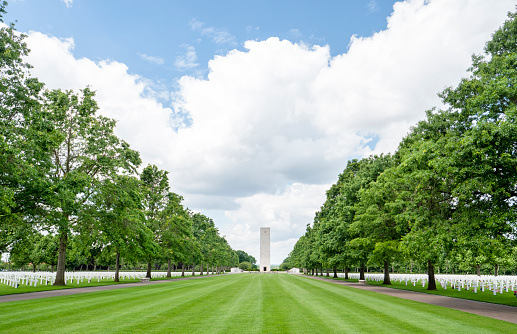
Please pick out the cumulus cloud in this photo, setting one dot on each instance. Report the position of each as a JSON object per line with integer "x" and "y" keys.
{"x": 287, "y": 212}
{"x": 142, "y": 121}
{"x": 271, "y": 127}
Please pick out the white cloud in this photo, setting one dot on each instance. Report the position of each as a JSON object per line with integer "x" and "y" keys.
{"x": 152, "y": 59}
{"x": 217, "y": 35}
{"x": 273, "y": 125}
{"x": 188, "y": 60}
{"x": 142, "y": 121}
{"x": 286, "y": 212}
{"x": 68, "y": 3}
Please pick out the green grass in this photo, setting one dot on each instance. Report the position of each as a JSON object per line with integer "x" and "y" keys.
{"x": 505, "y": 298}
{"x": 244, "y": 303}
{"x": 22, "y": 288}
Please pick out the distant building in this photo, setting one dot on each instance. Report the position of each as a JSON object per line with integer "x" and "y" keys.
{"x": 294, "y": 271}
{"x": 265, "y": 262}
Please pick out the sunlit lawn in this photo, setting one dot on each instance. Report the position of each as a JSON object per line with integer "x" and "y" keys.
{"x": 243, "y": 303}
{"x": 22, "y": 288}
{"x": 505, "y": 298}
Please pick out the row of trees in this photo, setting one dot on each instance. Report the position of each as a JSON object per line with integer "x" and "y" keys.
{"x": 65, "y": 174}
{"x": 447, "y": 195}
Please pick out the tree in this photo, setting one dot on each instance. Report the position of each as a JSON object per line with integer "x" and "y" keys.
{"x": 47, "y": 249}
{"x": 176, "y": 231}
{"x": 203, "y": 230}
{"x": 155, "y": 185}
{"x": 245, "y": 257}
{"x": 485, "y": 159}
{"x": 118, "y": 216}
{"x": 26, "y": 135}
{"x": 87, "y": 151}
{"x": 376, "y": 219}
{"x": 245, "y": 265}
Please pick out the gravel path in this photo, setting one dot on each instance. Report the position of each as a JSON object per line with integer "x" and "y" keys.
{"x": 496, "y": 311}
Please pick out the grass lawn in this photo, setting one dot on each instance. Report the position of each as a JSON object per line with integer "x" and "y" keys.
{"x": 243, "y": 303}
{"x": 505, "y": 298}
{"x": 22, "y": 288}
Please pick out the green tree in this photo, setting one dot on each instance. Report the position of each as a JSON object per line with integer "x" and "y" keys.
{"x": 26, "y": 135}
{"x": 176, "y": 227}
{"x": 376, "y": 219}
{"x": 118, "y": 216}
{"x": 245, "y": 265}
{"x": 155, "y": 185}
{"x": 245, "y": 257}
{"x": 485, "y": 159}
{"x": 87, "y": 151}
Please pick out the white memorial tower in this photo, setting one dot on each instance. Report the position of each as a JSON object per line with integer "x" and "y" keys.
{"x": 265, "y": 264}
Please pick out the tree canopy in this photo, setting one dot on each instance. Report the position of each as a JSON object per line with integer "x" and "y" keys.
{"x": 447, "y": 195}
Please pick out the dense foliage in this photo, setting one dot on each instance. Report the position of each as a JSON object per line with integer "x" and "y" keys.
{"x": 70, "y": 191}
{"x": 447, "y": 197}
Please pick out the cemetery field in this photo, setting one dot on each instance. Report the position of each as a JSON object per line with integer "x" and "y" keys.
{"x": 245, "y": 303}
{"x": 22, "y": 288}
{"x": 487, "y": 296}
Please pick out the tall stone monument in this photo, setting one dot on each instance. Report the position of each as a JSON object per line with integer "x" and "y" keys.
{"x": 265, "y": 264}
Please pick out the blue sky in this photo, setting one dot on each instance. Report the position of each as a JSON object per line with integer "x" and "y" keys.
{"x": 255, "y": 107}
{"x": 149, "y": 37}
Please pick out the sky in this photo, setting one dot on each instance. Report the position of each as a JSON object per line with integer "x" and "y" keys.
{"x": 255, "y": 107}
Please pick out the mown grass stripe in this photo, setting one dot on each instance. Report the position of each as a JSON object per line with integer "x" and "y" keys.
{"x": 244, "y": 303}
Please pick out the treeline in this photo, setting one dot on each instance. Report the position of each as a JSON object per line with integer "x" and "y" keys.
{"x": 447, "y": 197}
{"x": 70, "y": 186}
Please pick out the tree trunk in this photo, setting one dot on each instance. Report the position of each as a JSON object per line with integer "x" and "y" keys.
{"x": 478, "y": 269}
{"x": 346, "y": 272}
{"x": 361, "y": 271}
{"x": 169, "y": 265}
{"x": 335, "y": 272}
{"x": 386, "y": 273}
{"x": 183, "y": 270}
{"x": 328, "y": 274}
{"x": 33, "y": 267}
{"x": 117, "y": 266}
{"x": 496, "y": 270}
{"x": 193, "y": 270}
{"x": 61, "y": 260}
{"x": 201, "y": 269}
{"x": 149, "y": 268}
{"x": 430, "y": 272}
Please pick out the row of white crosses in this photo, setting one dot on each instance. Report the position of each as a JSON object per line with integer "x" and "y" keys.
{"x": 16, "y": 278}
{"x": 496, "y": 284}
